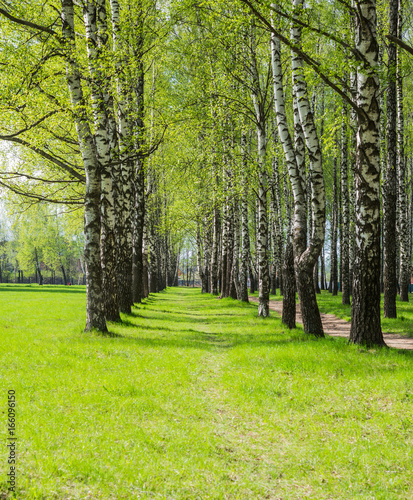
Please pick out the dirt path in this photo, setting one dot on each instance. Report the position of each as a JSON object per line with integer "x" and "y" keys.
{"x": 337, "y": 327}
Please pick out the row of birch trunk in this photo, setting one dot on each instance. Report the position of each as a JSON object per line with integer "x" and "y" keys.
{"x": 126, "y": 255}
{"x": 289, "y": 249}
{"x": 266, "y": 220}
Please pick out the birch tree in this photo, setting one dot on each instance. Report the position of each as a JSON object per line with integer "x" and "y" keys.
{"x": 95, "y": 305}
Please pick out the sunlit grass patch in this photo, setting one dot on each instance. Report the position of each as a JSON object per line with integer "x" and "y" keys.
{"x": 197, "y": 397}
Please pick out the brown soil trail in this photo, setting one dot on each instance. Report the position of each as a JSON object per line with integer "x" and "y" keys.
{"x": 337, "y": 327}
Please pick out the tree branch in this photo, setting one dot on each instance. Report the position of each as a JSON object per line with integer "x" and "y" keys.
{"x": 400, "y": 43}
{"x": 309, "y": 60}
{"x": 39, "y": 197}
{"x": 40, "y": 120}
{"x": 45, "y": 155}
{"x": 29, "y": 24}
{"x": 303, "y": 24}
{"x": 15, "y": 175}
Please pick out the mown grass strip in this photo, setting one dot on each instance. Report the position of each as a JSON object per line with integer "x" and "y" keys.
{"x": 196, "y": 397}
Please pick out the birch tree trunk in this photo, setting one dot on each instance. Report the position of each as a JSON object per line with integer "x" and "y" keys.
{"x": 290, "y": 286}
{"x": 289, "y": 304}
{"x": 305, "y": 257}
{"x": 235, "y": 282}
{"x": 345, "y": 285}
{"x": 352, "y": 172}
{"x": 404, "y": 236}
{"x": 230, "y": 291}
{"x": 38, "y": 268}
{"x": 224, "y": 249}
{"x": 333, "y": 252}
{"x": 258, "y": 98}
{"x": 95, "y": 317}
{"x": 279, "y": 227}
{"x": 296, "y": 177}
{"x": 145, "y": 253}
{"x": 139, "y": 181}
{"x": 214, "y": 253}
{"x": 199, "y": 260}
{"x": 390, "y": 283}
{"x": 138, "y": 234}
{"x": 102, "y": 142}
{"x": 207, "y": 254}
{"x": 245, "y": 237}
{"x": 365, "y": 311}
{"x": 322, "y": 271}
{"x": 272, "y": 235}
{"x": 124, "y": 222}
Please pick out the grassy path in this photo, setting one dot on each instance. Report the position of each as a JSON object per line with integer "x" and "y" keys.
{"x": 197, "y": 398}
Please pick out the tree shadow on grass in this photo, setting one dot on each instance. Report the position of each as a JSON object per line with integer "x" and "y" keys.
{"x": 131, "y": 324}
{"x": 179, "y": 334}
{"x": 403, "y": 352}
{"x": 184, "y": 338}
{"x": 207, "y": 341}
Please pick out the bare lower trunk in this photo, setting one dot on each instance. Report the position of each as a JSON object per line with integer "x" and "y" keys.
{"x": 94, "y": 308}
{"x": 404, "y": 235}
{"x": 263, "y": 280}
{"x": 235, "y": 282}
{"x": 38, "y": 269}
{"x": 304, "y": 257}
{"x": 333, "y": 253}
{"x": 365, "y": 311}
{"x": 262, "y": 240}
{"x": 279, "y": 229}
{"x": 345, "y": 271}
{"x": 199, "y": 259}
{"x": 207, "y": 255}
{"x": 390, "y": 282}
{"x": 124, "y": 222}
{"x": 102, "y": 141}
{"x": 245, "y": 237}
{"x": 138, "y": 228}
{"x": 214, "y": 254}
{"x": 145, "y": 259}
{"x": 322, "y": 271}
{"x": 224, "y": 252}
{"x": 289, "y": 304}
{"x": 316, "y": 278}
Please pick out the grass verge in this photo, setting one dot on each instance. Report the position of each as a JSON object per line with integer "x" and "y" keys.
{"x": 197, "y": 398}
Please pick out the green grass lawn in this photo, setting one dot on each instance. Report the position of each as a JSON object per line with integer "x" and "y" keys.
{"x": 197, "y": 398}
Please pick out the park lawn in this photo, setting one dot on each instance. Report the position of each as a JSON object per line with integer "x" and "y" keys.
{"x": 197, "y": 398}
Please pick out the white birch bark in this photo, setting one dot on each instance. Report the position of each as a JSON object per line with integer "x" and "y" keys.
{"x": 215, "y": 252}
{"x": 345, "y": 286}
{"x": 404, "y": 237}
{"x": 99, "y": 96}
{"x": 390, "y": 192}
{"x": 95, "y": 306}
{"x": 279, "y": 226}
{"x": 258, "y": 98}
{"x": 365, "y": 317}
{"x": 139, "y": 178}
{"x": 304, "y": 257}
{"x": 312, "y": 143}
{"x": 124, "y": 221}
{"x": 235, "y": 282}
{"x": 245, "y": 237}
